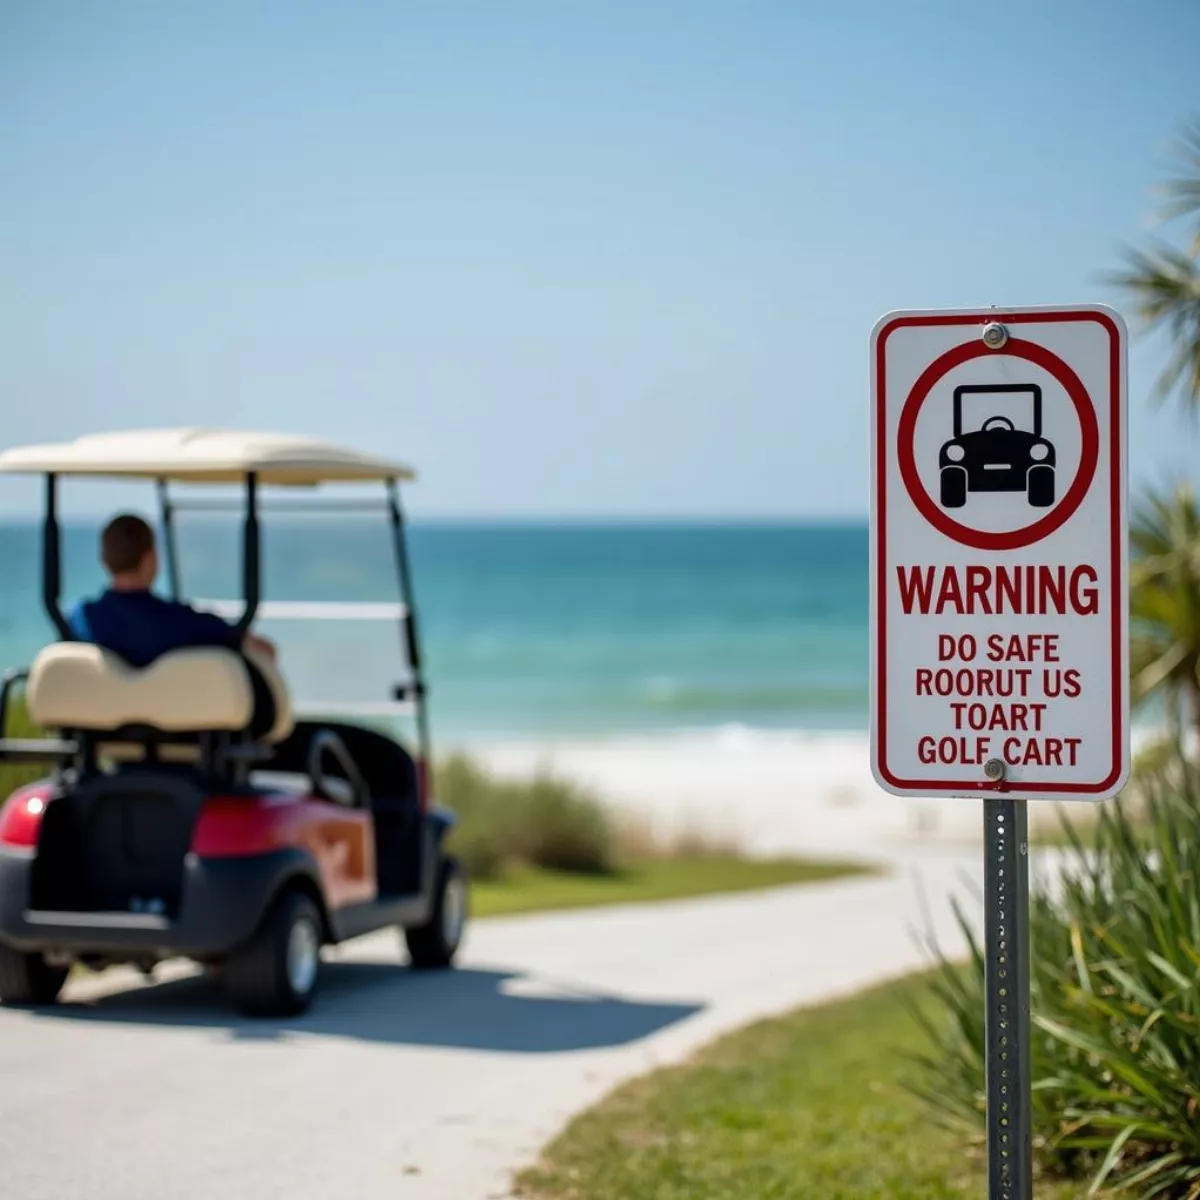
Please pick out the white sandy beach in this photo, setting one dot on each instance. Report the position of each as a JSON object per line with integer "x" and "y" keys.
{"x": 769, "y": 792}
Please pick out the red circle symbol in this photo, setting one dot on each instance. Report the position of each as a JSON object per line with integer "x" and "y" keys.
{"x": 1011, "y": 539}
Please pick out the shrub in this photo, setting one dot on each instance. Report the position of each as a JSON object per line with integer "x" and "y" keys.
{"x": 564, "y": 829}
{"x": 545, "y": 823}
{"x": 1153, "y": 759}
{"x": 639, "y": 841}
{"x": 1115, "y": 976}
{"x": 482, "y": 846}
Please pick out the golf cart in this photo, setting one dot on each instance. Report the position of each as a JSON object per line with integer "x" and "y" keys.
{"x": 187, "y": 809}
{"x": 999, "y": 456}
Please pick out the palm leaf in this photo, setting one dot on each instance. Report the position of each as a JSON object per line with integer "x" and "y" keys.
{"x": 1163, "y": 284}
{"x": 1182, "y": 193}
{"x": 1163, "y": 281}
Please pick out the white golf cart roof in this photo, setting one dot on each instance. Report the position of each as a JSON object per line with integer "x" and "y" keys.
{"x": 195, "y": 455}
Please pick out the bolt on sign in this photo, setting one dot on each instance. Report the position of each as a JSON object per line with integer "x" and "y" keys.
{"x": 998, "y": 553}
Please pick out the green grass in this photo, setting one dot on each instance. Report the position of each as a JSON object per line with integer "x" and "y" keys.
{"x": 528, "y": 889}
{"x": 810, "y": 1105}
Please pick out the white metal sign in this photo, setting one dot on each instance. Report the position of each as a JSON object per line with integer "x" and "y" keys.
{"x": 998, "y": 553}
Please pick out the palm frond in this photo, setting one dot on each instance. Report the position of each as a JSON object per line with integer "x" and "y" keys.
{"x": 1164, "y": 597}
{"x": 1163, "y": 284}
{"x": 1182, "y": 193}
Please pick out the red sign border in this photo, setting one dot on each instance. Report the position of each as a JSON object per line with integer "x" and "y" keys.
{"x": 1116, "y": 431}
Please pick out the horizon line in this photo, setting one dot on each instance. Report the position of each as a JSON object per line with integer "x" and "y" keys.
{"x": 548, "y": 519}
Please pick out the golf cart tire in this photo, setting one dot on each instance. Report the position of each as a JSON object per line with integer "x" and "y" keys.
{"x": 954, "y": 487}
{"x": 1041, "y": 486}
{"x": 28, "y": 978}
{"x": 432, "y": 945}
{"x": 257, "y": 975}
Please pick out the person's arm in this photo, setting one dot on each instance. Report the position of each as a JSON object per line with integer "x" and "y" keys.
{"x": 215, "y": 631}
{"x": 77, "y": 620}
{"x": 260, "y": 645}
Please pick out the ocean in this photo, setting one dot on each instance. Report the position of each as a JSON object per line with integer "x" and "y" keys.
{"x": 538, "y": 630}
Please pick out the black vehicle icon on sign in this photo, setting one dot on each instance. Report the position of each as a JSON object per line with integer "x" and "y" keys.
{"x": 998, "y": 455}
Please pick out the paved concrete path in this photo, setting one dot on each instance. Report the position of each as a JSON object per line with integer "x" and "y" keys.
{"x": 399, "y": 1086}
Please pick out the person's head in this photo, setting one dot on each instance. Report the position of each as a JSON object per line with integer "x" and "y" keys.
{"x": 128, "y": 553}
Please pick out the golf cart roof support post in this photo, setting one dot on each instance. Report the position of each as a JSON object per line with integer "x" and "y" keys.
{"x": 52, "y": 562}
{"x": 408, "y": 621}
{"x": 251, "y": 556}
{"x": 170, "y": 548}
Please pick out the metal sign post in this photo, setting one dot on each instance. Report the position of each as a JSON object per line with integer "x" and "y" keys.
{"x": 1006, "y": 946}
{"x": 999, "y": 610}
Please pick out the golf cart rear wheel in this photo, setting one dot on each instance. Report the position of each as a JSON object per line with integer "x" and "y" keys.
{"x": 28, "y": 978}
{"x": 275, "y": 974}
{"x": 435, "y": 943}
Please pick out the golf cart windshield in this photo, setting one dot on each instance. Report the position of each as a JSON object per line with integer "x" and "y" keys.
{"x": 1017, "y": 405}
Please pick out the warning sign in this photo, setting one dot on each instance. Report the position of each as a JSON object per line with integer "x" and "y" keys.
{"x": 998, "y": 553}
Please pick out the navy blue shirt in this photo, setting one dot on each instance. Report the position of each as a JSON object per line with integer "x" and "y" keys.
{"x": 139, "y": 626}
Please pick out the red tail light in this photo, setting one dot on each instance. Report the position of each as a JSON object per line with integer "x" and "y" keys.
{"x": 21, "y": 817}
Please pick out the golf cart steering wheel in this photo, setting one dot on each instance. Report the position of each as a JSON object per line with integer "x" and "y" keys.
{"x": 1001, "y": 422}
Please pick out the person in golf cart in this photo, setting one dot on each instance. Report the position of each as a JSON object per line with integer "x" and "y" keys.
{"x": 129, "y": 620}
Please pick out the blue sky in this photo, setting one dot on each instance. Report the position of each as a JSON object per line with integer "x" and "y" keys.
{"x": 570, "y": 259}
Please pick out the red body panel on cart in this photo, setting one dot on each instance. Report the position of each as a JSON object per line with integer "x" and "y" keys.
{"x": 341, "y": 841}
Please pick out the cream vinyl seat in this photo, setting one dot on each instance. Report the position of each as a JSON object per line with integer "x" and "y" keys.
{"x": 81, "y": 687}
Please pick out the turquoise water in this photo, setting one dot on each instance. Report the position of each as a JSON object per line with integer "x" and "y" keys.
{"x": 532, "y": 630}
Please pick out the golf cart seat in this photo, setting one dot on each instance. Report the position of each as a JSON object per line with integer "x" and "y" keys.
{"x": 83, "y": 688}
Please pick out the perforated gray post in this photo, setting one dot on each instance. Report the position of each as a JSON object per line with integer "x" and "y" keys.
{"x": 1006, "y": 916}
